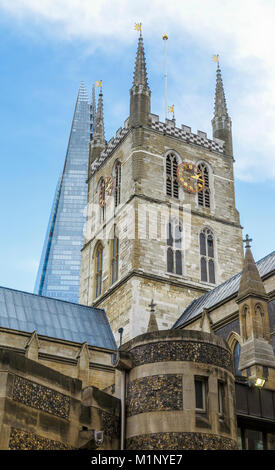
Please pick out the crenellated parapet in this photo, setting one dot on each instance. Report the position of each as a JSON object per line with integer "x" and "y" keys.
{"x": 168, "y": 128}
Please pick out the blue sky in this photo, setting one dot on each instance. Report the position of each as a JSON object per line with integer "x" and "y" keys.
{"x": 47, "y": 48}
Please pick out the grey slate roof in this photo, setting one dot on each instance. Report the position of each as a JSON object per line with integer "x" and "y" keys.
{"x": 265, "y": 266}
{"x": 54, "y": 318}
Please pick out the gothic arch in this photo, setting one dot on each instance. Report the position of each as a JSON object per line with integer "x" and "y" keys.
{"x": 171, "y": 162}
{"x": 208, "y": 254}
{"x": 205, "y": 197}
{"x": 244, "y": 321}
{"x": 98, "y": 259}
{"x": 117, "y": 176}
{"x": 235, "y": 343}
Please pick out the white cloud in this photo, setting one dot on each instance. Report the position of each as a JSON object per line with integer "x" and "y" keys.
{"x": 241, "y": 31}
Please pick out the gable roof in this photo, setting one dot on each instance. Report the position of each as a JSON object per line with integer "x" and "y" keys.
{"x": 265, "y": 266}
{"x": 55, "y": 318}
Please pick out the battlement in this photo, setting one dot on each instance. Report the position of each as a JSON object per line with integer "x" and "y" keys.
{"x": 169, "y": 128}
{"x": 184, "y": 133}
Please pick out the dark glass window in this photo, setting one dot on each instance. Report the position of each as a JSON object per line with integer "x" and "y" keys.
{"x": 170, "y": 260}
{"x": 237, "y": 351}
{"x": 200, "y": 394}
{"x": 174, "y": 247}
{"x": 207, "y": 256}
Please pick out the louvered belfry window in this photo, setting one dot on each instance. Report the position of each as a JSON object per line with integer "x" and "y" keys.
{"x": 172, "y": 185}
{"x": 99, "y": 269}
{"x": 204, "y": 195}
{"x": 207, "y": 261}
{"x": 117, "y": 183}
{"x": 174, "y": 247}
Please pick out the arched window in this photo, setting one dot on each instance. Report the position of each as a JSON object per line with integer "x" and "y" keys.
{"x": 204, "y": 195}
{"x": 236, "y": 356}
{"x": 245, "y": 313}
{"x": 174, "y": 247}
{"x": 117, "y": 183}
{"x": 115, "y": 258}
{"x": 207, "y": 256}
{"x": 102, "y": 200}
{"x": 98, "y": 269}
{"x": 172, "y": 185}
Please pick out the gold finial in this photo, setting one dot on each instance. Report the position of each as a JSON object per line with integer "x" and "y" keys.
{"x": 138, "y": 27}
{"x": 216, "y": 59}
{"x": 165, "y": 37}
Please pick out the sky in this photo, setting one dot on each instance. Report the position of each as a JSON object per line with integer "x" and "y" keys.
{"x": 48, "y": 47}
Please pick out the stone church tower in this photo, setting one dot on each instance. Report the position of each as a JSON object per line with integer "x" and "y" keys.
{"x": 150, "y": 234}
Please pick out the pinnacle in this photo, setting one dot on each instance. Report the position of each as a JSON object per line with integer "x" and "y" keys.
{"x": 98, "y": 134}
{"x": 140, "y": 73}
{"x": 220, "y": 101}
{"x": 251, "y": 282}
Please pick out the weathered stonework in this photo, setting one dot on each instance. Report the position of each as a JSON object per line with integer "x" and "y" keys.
{"x": 155, "y": 393}
{"x": 180, "y": 441}
{"x": 110, "y": 424}
{"x": 22, "y": 440}
{"x": 40, "y": 397}
{"x": 182, "y": 351}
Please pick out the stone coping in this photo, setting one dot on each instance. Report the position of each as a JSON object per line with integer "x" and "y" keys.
{"x": 174, "y": 335}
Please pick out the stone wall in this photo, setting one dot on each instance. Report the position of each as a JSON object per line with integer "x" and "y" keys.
{"x": 41, "y": 408}
{"x": 161, "y": 370}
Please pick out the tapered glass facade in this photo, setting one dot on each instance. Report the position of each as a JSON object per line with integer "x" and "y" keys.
{"x": 59, "y": 271}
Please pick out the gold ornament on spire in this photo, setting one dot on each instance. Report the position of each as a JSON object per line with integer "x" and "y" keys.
{"x": 171, "y": 109}
{"x": 216, "y": 58}
{"x": 138, "y": 27}
{"x": 98, "y": 83}
{"x": 165, "y": 37}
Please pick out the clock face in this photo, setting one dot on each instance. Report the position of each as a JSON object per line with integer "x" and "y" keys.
{"x": 190, "y": 177}
{"x": 106, "y": 189}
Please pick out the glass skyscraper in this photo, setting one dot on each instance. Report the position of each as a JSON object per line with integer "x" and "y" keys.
{"x": 59, "y": 270}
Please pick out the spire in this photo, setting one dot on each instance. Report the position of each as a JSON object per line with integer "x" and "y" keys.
{"x": 93, "y": 111}
{"x": 220, "y": 101}
{"x": 251, "y": 282}
{"x": 152, "y": 325}
{"x": 140, "y": 94}
{"x": 221, "y": 122}
{"x": 98, "y": 137}
{"x": 140, "y": 73}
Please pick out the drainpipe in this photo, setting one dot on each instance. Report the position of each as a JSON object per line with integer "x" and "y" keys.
{"x": 122, "y": 397}
{"x": 122, "y": 400}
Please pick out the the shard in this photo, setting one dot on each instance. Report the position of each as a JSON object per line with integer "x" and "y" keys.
{"x": 59, "y": 270}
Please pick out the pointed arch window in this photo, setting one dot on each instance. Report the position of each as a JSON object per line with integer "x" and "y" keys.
{"x": 117, "y": 188}
{"x": 207, "y": 261}
{"x": 174, "y": 247}
{"x": 236, "y": 356}
{"x": 115, "y": 259}
{"x": 204, "y": 195}
{"x": 172, "y": 185}
{"x": 102, "y": 200}
{"x": 99, "y": 269}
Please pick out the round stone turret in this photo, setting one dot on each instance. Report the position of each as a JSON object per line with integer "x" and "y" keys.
{"x": 179, "y": 391}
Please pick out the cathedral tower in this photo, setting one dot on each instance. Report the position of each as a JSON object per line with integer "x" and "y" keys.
{"x": 154, "y": 232}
